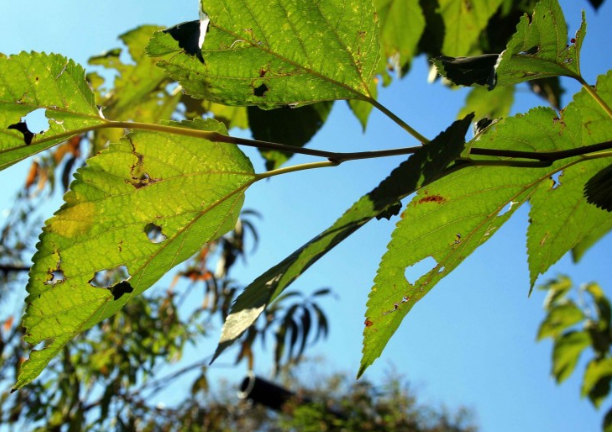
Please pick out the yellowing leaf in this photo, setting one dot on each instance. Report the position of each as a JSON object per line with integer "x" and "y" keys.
{"x": 138, "y": 209}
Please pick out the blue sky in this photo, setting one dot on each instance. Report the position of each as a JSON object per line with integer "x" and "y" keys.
{"x": 469, "y": 342}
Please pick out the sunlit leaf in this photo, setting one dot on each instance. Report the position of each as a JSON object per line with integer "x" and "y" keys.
{"x": 422, "y": 168}
{"x": 540, "y": 48}
{"x": 273, "y": 54}
{"x": 190, "y": 189}
{"x": 31, "y": 81}
{"x": 566, "y": 353}
{"x": 448, "y": 220}
{"x": 560, "y": 215}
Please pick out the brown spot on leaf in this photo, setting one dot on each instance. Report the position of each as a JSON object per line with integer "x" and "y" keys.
{"x": 368, "y": 323}
{"x": 432, "y": 198}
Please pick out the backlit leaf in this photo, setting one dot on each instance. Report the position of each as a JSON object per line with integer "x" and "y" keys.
{"x": 188, "y": 188}
{"x": 448, "y": 220}
{"x": 540, "y": 48}
{"x": 560, "y": 214}
{"x": 559, "y": 318}
{"x": 401, "y": 25}
{"x": 422, "y": 168}
{"x": 463, "y": 23}
{"x": 139, "y": 91}
{"x": 31, "y": 81}
{"x": 273, "y": 54}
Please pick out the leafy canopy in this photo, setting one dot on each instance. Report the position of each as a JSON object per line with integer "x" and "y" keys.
{"x": 154, "y": 197}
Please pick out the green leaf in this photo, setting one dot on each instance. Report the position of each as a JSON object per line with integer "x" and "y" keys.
{"x": 607, "y": 422}
{"x": 139, "y": 92}
{"x": 270, "y": 55}
{"x": 559, "y": 318}
{"x": 561, "y": 217}
{"x": 31, "y": 81}
{"x": 488, "y": 104}
{"x": 362, "y": 109}
{"x": 294, "y": 127}
{"x": 596, "y": 381}
{"x": 401, "y": 25}
{"x": 539, "y": 48}
{"x": 189, "y": 189}
{"x": 558, "y": 289}
{"x": 422, "y": 168}
{"x": 463, "y": 22}
{"x": 604, "y": 310}
{"x": 566, "y": 353}
{"x": 590, "y": 239}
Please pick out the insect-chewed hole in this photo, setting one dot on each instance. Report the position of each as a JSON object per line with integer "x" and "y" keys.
{"x": 506, "y": 208}
{"x": 261, "y": 90}
{"x": 55, "y": 277}
{"x": 419, "y": 269}
{"x": 109, "y": 277}
{"x": 556, "y": 178}
{"x": 37, "y": 121}
{"x": 154, "y": 233}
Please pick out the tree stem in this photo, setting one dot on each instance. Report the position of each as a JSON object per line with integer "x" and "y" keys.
{"x": 590, "y": 90}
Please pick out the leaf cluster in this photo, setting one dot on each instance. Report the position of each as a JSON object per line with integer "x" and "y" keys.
{"x": 579, "y": 319}
{"x": 154, "y": 197}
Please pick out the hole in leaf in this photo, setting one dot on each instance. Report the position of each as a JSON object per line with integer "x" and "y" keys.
{"x": 37, "y": 121}
{"x": 261, "y": 90}
{"x": 419, "y": 269}
{"x": 506, "y": 209}
{"x": 55, "y": 277}
{"x": 531, "y": 51}
{"x": 441, "y": 269}
{"x": 154, "y": 233}
{"x": 109, "y": 277}
{"x": 121, "y": 288}
{"x": 556, "y": 178}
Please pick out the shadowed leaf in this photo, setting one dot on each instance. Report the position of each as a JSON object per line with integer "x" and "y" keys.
{"x": 422, "y": 168}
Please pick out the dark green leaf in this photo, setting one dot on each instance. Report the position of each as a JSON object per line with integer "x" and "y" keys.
{"x": 598, "y": 190}
{"x": 290, "y": 126}
{"x": 596, "y": 381}
{"x": 566, "y": 353}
